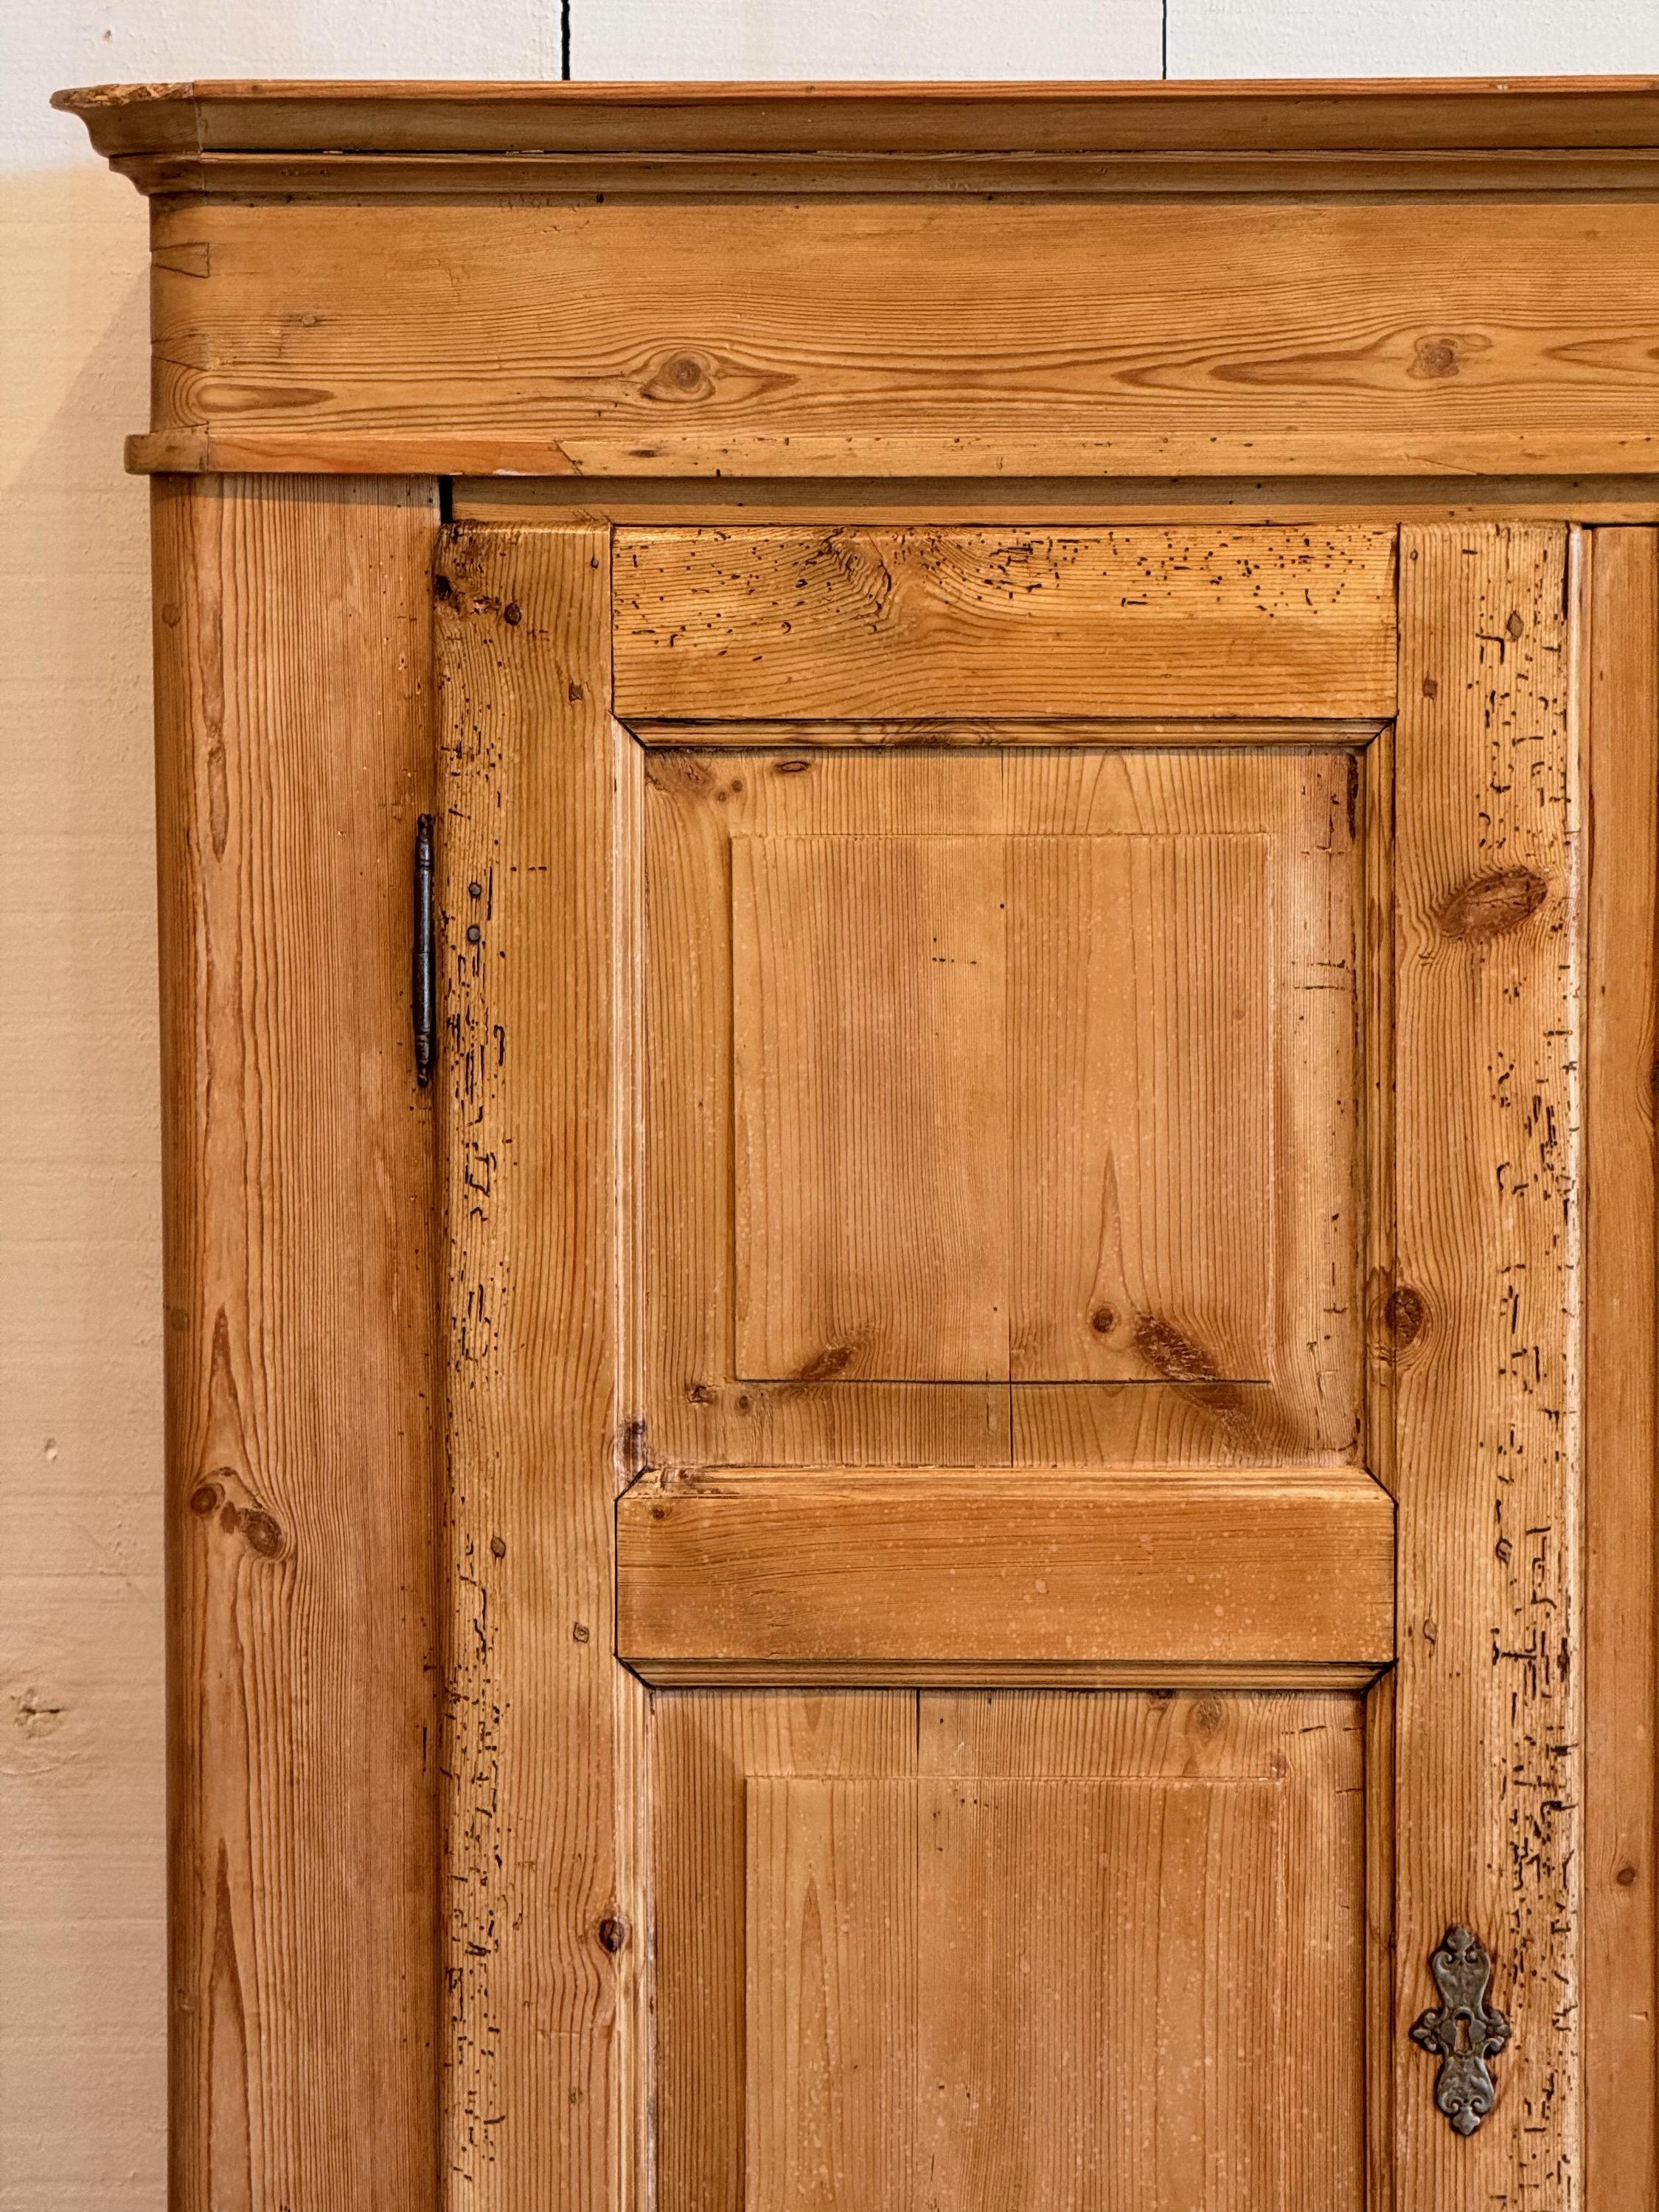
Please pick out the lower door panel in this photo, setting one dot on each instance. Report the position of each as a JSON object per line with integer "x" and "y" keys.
{"x": 943, "y": 1952}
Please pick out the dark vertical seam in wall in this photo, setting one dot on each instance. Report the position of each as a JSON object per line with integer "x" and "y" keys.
{"x": 1164, "y": 48}
{"x": 564, "y": 40}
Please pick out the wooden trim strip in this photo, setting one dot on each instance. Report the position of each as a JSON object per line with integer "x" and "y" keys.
{"x": 697, "y": 502}
{"x": 948, "y": 1577}
{"x": 1621, "y": 1408}
{"x": 1511, "y": 455}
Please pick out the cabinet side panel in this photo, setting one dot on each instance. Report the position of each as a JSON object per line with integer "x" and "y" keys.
{"x": 1621, "y": 1403}
{"x": 294, "y": 753}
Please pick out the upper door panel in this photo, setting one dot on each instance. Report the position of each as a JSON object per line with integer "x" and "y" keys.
{"x": 973, "y": 1079}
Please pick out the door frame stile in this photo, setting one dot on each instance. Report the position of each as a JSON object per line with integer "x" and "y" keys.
{"x": 1487, "y": 1170}
{"x": 543, "y": 1935}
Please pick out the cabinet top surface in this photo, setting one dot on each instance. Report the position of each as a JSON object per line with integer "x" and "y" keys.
{"x": 1309, "y": 115}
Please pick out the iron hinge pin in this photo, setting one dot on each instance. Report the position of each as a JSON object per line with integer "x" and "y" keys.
{"x": 423, "y": 974}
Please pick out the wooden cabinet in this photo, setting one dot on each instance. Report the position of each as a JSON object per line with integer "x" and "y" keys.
{"x": 962, "y": 1519}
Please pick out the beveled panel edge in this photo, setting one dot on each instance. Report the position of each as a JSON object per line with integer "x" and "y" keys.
{"x": 997, "y": 734}
{"x": 715, "y": 1674}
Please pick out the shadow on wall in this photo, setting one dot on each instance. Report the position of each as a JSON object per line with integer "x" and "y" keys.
{"x": 81, "y": 1813}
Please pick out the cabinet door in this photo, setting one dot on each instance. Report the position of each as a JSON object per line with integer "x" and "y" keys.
{"x": 1011, "y": 1138}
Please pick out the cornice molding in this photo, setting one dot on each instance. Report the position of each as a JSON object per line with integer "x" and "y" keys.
{"x": 1376, "y": 135}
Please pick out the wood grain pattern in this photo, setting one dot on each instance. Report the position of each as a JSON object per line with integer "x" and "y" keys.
{"x": 292, "y": 755}
{"x": 1181, "y": 1315}
{"x": 1620, "y": 1963}
{"x": 834, "y": 1892}
{"x": 1159, "y": 1735}
{"x": 1032, "y": 2053}
{"x": 706, "y": 1749}
{"x": 923, "y": 337}
{"x": 869, "y": 1077}
{"x": 999, "y": 1101}
{"x": 1061, "y": 2064}
{"x": 761, "y": 1576}
{"x": 1314, "y": 1747}
{"x": 541, "y": 1921}
{"x": 738, "y": 623}
{"x": 693, "y": 1405}
{"x": 1141, "y": 1064}
{"x": 1306, "y": 808}
{"x": 1487, "y": 1389}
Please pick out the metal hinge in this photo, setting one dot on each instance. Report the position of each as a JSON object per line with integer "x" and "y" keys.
{"x": 423, "y": 967}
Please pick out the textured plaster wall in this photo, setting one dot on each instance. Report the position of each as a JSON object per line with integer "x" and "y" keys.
{"x": 81, "y": 1737}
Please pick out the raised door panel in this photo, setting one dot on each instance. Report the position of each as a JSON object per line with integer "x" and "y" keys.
{"x": 1003, "y": 1106}
{"x": 946, "y": 2005}
{"x": 978, "y": 1086}
{"x": 908, "y": 1962}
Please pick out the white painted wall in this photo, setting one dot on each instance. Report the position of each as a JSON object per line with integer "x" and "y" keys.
{"x": 1110, "y": 38}
{"x": 824, "y": 38}
{"x": 80, "y": 1782}
{"x": 1415, "y": 38}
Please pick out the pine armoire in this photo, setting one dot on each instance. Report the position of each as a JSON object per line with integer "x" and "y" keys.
{"x": 908, "y": 853}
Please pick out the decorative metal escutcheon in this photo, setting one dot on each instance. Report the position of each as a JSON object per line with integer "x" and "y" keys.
{"x": 1463, "y": 2030}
